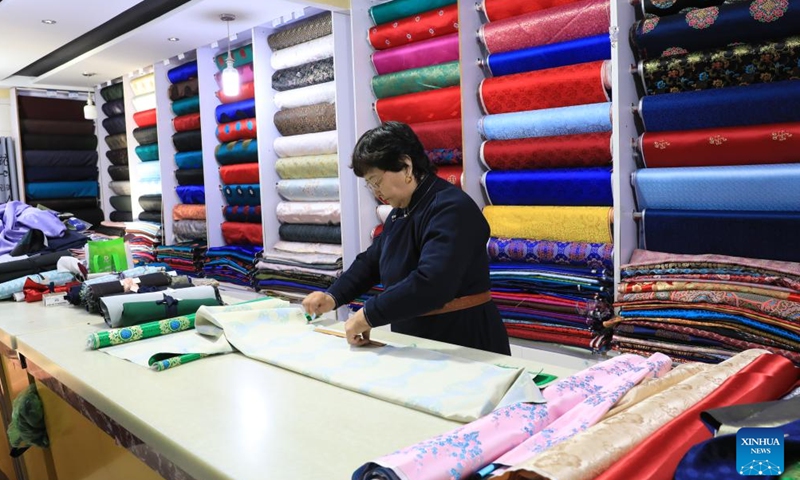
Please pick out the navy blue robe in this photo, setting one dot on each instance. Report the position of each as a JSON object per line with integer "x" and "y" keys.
{"x": 428, "y": 254}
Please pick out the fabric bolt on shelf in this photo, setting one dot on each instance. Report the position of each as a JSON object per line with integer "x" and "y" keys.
{"x": 114, "y": 107}
{"x": 144, "y": 119}
{"x": 548, "y": 122}
{"x": 39, "y": 191}
{"x": 186, "y": 122}
{"x": 306, "y": 52}
{"x": 68, "y": 204}
{"x": 311, "y": 190}
{"x": 191, "y": 194}
{"x": 581, "y": 150}
{"x": 114, "y": 125}
{"x": 46, "y": 108}
{"x": 145, "y": 135}
{"x": 746, "y": 187}
{"x": 189, "y": 160}
{"x": 311, "y": 95}
{"x": 312, "y": 166}
{"x": 117, "y": 141}
{"x": 121, "y": 202}
{"x": 643, "y": 258}
{"x": 239, "y": 233}
{"x": 144, "y": 102}
{"x": 126, "y": 310}
{"x": 443, "y": 134}
{"x": 301, "y": 31}
{"x": 185, "y": 89}
{"x": 150, "y": 203}
{"x": 246, "y": 90}
{"x": 147, "y": 153}
{"x": 311, "y": 233}
{"x": 189, "y": 177}
{"x": 671, "y": 7}
{"x": 316, "y": 213}
{"x": 305, "y": 75}
{"x": 568, "y": 187}
{"x": 96, "y": 291}
{"x": 423, "y": 26}
{"x": 428, "y": 106}
{"x": 120, "y": 187}
{"x": 242, "y": 213}
{"x": 722, "y": 146}
{"x": 144, "y": 84}
{"x": 320, "y": 117}
{"x": 112, "y": 92}
{"x": 150, "y": 217}
{"x": 148, "y": 172}
{"x": 241, "y": 56}
{"x": 560, "y": 224}
{"x": 745, "y": 234}
{"x": 189, "y": 212}
{"x": 451, "y": 173}
{"x": 10, "y": 287}
{"x": 240, "y": 151}
{"x": 117, "y": 173}
{"x": 397, "y": 9}
{"x": 59, "y": 174}
{"x": 578, "y": 84}
{"x": 322, "y": 143}
{"x": 58, "y": 142}
{"x": 715, "y": 27}
{"x": 189, "y": 230}
{"x": 245, "y": 74}
{"x": 559, "y": 54}
{"x": 239, "y": 173}
{"x": 577, "y": 254}
{"x": 238, "y": 130}
{"x": 56, "y": 127}
{"x": 495, "y": 10}
{"x": 184, "y": 72}
{"x": 14, "y": 269}
{"x": 570, "y": 21}
{"x": 247, "y": 194}
{"x": 416, "y": 80}
{"x": 445, "y": 156}
{"x": 186, "y": 106}
{"x": 118, "y": 156}
{"x": 230, "y": 112}
{"x": 121, "y": 216}
{"x": 188, "y": 141}
{"x": 416, "y": 55}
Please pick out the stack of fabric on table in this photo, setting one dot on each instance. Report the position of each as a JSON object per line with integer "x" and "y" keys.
{"x": 143, "y": 238}
{"x": 147, "y": 169}
{"x": 185, "y": 258}
{"x": 114, "y": 124}
{"x": 232, "y": 263}
{"x": 292, "y": 270}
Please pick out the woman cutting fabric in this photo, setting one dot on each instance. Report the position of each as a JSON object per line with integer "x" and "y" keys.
{"x": 431, "y": 257}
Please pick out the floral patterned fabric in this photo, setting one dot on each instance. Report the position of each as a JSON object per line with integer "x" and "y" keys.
{"x": 307, "y": 74}
{"x": 577, "y": 254}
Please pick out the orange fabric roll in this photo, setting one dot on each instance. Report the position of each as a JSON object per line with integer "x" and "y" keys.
{"x": 239, "y": 130}
{"x": 240, "y": 173}
{"x": 238, "y": 233}
{"x": 189, "y": 212}
{"x": 185, "y": 123}
{"x": 429, "y": 106}
{"x": 145, "y": 118}
{"x": 246, "y": 90}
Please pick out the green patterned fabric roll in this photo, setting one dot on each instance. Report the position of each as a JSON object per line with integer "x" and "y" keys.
{"x": 416, "y": 80}
{"x": 112, "y": 92}
{"x": 185, "y": 106}
{"x": 137, "y": 313}
{"x": 386, "y": 12}
{"x": 241, "y": 56}
{"x": 118, "y": 336}
{"x": 240, "y": 151}
{"x": 171, "y": 362}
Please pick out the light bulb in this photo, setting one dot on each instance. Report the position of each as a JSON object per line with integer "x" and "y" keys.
{"x": 89, "y": 110}
{"x": 230, "y": 79}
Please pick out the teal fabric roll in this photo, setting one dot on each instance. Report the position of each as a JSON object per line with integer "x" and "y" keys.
{"x": 416, "y": 80}
{"x": 389, "y": 11}
{"x": 39, "y": 191}
{"x": 189, "y": 160}
{"x": 241, "y": 56}
{"x": 147, "y": 153}
{"x": 186, "y": 106}
{"x": 242, "y": 151}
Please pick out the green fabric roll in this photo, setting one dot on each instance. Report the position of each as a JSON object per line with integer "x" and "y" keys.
{"x": 147, "y": 153}
{"x": 241, "y": 56}
{"x": 240, "y": 151}
{"x": 386, "y": 12}
{"x": 137, "y": 313}
{"x": 112, "y": 92}
{"x": 417, "y": 80}
{"x": 185, "y": 106}
{"x": 313, "y": 166}
{"x": 118, "y": 336}
{"x": 171, "y": 362}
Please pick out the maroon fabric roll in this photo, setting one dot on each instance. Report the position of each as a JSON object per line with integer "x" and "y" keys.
{"x": 184, "y": 123}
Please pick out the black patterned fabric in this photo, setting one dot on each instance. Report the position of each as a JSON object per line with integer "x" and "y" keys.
{"x": 304, "y": 75}
{"x": 118, "y": 156}
{"x": 112, "y": 92}
{"x": 188, "y": 141}
{"x": 193, "y": 176}
{"x": 119, "y": 172}
{"x": 115, "y": 124}
{"x": 299, "y": 232}
{"x": 119, "y": 216}
{"x": 145, "y": 135}
{"x": 185, "y": 89}
{"x": 151, "y": 203}
{"x": 117, "y": 142}
{"x": 301, "y": 32}
{"x": 150, "y": 217}
{"x": 53, "y": 158}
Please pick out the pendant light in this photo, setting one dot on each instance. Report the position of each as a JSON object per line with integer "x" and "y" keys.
{"x": 230, "y": 76}
{"x": 89, "y": 110}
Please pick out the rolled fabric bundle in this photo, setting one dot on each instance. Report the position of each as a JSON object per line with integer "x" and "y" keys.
{"x": 146, "y": 118}
{"x": 440, "y": 134}
{"x": 574, "y": 254}
{"x": 186, "y": 122}
{"x": 150, "y": 203}
{"x": 559, "y": 224}
{"x": 320, "y": 117}
{"x": 154, "y": 217}
{"x": 147, "y": 153}
{"x": 230, "y": 112}
{"x": 662, "y": 9}
{"x": 117, "y": 142}
{"x": 311, "y": 233}
{"x": 246, "y": 90}
{"x": 238, "y": 130}
{"x": 120, "y": 188}
{"x": 445, "y": 156}
{"x": 144, "y": 85}
{"x": 416, "y": 55}
{"x": 425, "y": 25}
{"x": 242, "y": 213}
{"x": 237, "y": 233}
{"x": 64, "y": 174}
{"x": 302, "y": 31}
{"x": 451, "y": 174}
{"x": 191, "y": 194}
{"x": 96, "y": 291}
{"x": 321, "y": 143}
{"x": 311, "y": 190}
{"x": 121, "y": 203}
{"x": 114, "y": 107}
{"x": 150, "y": 187}
{"x": 429, "y": 106}
{"x": 69, "y": 204}
{"x": 185, "y": 89}
{"x": 56, "y": 127}
{"x": 186, "y": 106}
{"x": 144, "y": 102}
{"x": 559, "y": 54}
{"x": 189, "y": 160}
{"x": 120, "y": 216}
{"x": 547, "y": 122}
{"x": 311, "y": 95}
{"x": 317, "y": 213}
{"x": 192, "y": 176}
{"x": 112, "y": 92}
{"x": 115, "y": 124}
{"x": 567, "y": 186}
{"x": 146, "y": 135}
{"x": 149, "y": 172}
{"x": 304, "y": 75}
{"x": 582, "y": 150}
{"x": 311, "y": 51}
{"x": 249, "y": 194}
{"x": 239, "y": 173}
{"x": 189, "y": 141}
{"x": 501, "y": 9}
{"x": 245, "y": 74}
{"x": 313, "y": 166}
{"x": 396, "y": 9}
{"x": 59, "y": 142}
{"x": 118, "y": 156}
{"x": 127, "y": 310}
{"x": 241, "y": 151}
{"x": 241, "y": 56}
{"x": 189, "y": 230}
{"x": 37, "y": 191}
{"x": 119, "y": 173}
{"x": 52, "y": 158}
{"x": 415, "y": 80}
{"x": 189, "y": 212}
{"x": 184, "y": 72}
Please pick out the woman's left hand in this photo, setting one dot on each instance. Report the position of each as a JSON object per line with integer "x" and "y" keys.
{"x": 357, "y": 329}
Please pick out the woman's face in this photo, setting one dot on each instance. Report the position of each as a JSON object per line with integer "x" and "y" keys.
{"x": 392, "y": 187}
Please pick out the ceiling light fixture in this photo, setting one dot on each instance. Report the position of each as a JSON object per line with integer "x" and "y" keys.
{"x": 89, "y": 110}
{"x": 47, "y": 21}
{"x": 173, "y": 39}
{"x": 230, "y": 76}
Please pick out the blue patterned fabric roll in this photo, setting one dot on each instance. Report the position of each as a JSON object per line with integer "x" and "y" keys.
{"x": 43, "y": 191}
{"x": 189, "y": 160}
{"x": 249, "y": 194}
{"x": 549, "y": 122}
{"x": 240, "y": 151}
{"x": 574, "y": 254}
{"x": 185, "y": 106}
{"x": 191, "y": 194}
{"x": 184, "y": 72}
{"x": 242, "y": 213}
{"x": 147, "y": 153}
{"x": 581, "y": 50}
{"x": 230, "y": 112}
{"x": 563, "y": 186}
{"x": 309, "y": 190}
{"x": 750, "y": 187}
{"x": 757, "y": 104}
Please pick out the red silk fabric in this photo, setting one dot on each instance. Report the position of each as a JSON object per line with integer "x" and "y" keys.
{"x": 429, "y": 106}
{"x": 34, "y": 291}
{"x": 451, "y": 174}
{"x": 441, "y": 134}
{"x": 501, "y": 9}
{"x": 185, "y": 123}
{"x": 423, "y": 26}
{"x": 246, "y": 91}
{"x": 582, "y": 150}
{"x": 239, "y": 233}
{"x": 239, "y": 130}
{"x": 146, "y": 118}
{"x": 240, "y": 173}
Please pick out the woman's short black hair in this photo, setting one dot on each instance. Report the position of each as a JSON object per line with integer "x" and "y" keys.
{"x": 383, "y": 148}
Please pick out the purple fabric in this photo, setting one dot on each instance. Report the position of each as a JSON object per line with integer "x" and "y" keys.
{"x": 17, "y": 218}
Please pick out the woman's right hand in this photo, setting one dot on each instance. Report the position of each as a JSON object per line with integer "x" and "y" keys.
{"x": 317, "y": 303}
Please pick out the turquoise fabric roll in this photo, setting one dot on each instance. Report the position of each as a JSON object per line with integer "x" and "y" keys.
{"x": 386, "y": 12}
{"x": 241, "y": 56}
{"x": 147, "y": 153}
{"x": 43, "y": 191}
{"x": 549, "y": 122}
{"x": 186, "y": 106}
{"x": 242, "y": 151}
{"x": 189, "y": 160}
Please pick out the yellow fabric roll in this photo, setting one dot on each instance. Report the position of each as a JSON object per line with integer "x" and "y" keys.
{"x": 560, "y": 224}
{"x": 144, "y": 84}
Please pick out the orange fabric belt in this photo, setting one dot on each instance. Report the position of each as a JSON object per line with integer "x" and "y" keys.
{"x": 462, "y": 303}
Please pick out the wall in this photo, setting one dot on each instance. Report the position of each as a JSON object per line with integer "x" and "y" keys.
{"x": 5, "y": 113}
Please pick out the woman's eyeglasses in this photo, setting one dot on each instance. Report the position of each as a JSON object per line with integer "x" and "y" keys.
{"x": 375, "y": 186}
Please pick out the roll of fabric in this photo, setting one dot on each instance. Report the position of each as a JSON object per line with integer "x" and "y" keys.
{"x": 189, "y": 230}
{"x": 238, "y": 130}
{"x": 444, "y": 134}
{"x": 144, "y": 119}
{"x": 245, "y": 74}
{"x": 320, "y": 117}
{"x": 442, "y": 104}
{"x": 57, "y": 127}
{"x": 37, "y": 191}
{"x": 416, "y": 55}
{"x": 726, "y": 107}
{"x": 144, "y": 85}
{"x": 445, "y": 156}
{"x": 322, "y": 143}
{"x": 299, "y": 97}
{"x": 548, "y": 122}
{"x": 311, "y": 233}
{"x": 567, "y": 187}
{"x": 70, "y": 204}
{"x": 663, "y": 8}
{"x": 120, "y": 188}
{"x": 715, "y": 27}
{"x": 118, "y": 157}
{"x": 154, "y": 217}
{"x": 242, "y": 151}
{"x": 121, "y": 203}
{"x": 186, "y": 106}
{"x": 242, "y": 213}
{"x": 189, "y": 160}
{"x": 185, "y": 89}
{"x": 559, "y": 224}
{"x": 246, "y": 194}
{"x": 144, "y": 102}
{"x": 396, "y": 9}
{"x": 302, "y": 31}
{"x": 578, "y": 84}
{"x": 582, "y": 150}
{"x": 240, "y": 173}
{"x": 126, "y": 310}
{"x": 573, "y": 254}
{"x": 736, "y": 233}
{"x": 191, "y": 194}
{"x": 313, "y": 166}
{"x": 192, "y": 176}
{"x": 149, "y": 172}
{"x": 573, "y": 20}
{"x": 59, "y": 142}
{"x": 71, "y": 174}
{"x": 115, "y": 124}
{"x": 51, "y": 158}
{"x": 147, "y": 153}
{"x": 120, "y": 216}
{"x": 112, "y": 92}
{"x": 415, "y": 80}
{"x": 241, "y": 56}
{"x": 748, "y": 187}
{"x": 733, "y": 66}
{"x": 452, "y": 174}
{"x": 118, "y": 173}
{"x": 246, "y": 90}
{"x": 580, "y": 50}
{"x": 184, "y": 72}
{"x": 117, "y": 142}
{"x": 423, "y": 26}
{"x": 501, "y": 9}
{"x": 238, "y": 233}
{"x": 311, "y": 51}
{"x": 189, "y": 141}
{"x": 316, "y": 213}
{"x": 184, "y": 123}
{"x": 146, "y": 135}
{"x": 722, "y": 146}
{"x": 304, "y": 75}
{"x": 230, "y": 112}
{"x": 114, "y": 107}
{"x": 150, "y": 203}
{"x": 311, "y": 190}
{"x": 189, "y": 212}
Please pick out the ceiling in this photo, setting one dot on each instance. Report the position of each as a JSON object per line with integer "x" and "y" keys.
{"x": 24, "y": 38}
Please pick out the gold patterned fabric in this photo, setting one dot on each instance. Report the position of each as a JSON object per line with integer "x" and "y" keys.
{"x": 320, "y": 117}
{"x": 301, "y": 32}
{"x": 311, "y": 166}
{"x": 560, "y": 224}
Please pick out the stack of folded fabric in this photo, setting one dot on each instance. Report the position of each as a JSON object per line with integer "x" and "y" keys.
{"x": 117, "y": 154}
{"x": 185, "y": 258}
{"x": 146, "y": 134}
{"x": 232, "y": 264}
{"x": 143, "y": 238}
{"x": 292, "y": 270}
